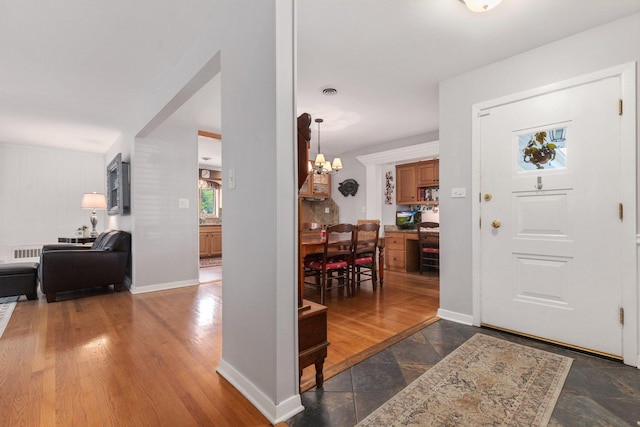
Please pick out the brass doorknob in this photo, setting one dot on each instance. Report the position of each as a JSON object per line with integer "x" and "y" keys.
{"x": 495, "y": 223}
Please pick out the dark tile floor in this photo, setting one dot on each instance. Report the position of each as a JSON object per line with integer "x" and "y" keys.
{"x": 597, "y": 392}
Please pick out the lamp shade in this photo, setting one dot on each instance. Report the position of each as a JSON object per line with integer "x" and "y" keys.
{"x": 337, "y": 164}
{"x": 93, "y": 201}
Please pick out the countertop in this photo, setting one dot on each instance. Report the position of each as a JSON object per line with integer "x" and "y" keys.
{"x": 395, "y": 229}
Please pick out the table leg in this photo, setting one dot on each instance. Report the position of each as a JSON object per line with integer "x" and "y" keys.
{"x": 381, "y": 264}
{"x": 319, "y": 374}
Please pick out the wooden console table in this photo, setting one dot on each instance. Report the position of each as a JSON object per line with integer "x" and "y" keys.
{"x": 312, "y": 338}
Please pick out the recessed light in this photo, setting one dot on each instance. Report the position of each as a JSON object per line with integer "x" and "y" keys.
{"x": 205, "y": 158}
{"x": 330, "y": 91}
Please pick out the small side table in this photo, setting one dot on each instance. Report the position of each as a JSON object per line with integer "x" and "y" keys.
{"x": 83, "y": 240}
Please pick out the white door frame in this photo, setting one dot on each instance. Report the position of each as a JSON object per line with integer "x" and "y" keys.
{"x": 629, "y": 238}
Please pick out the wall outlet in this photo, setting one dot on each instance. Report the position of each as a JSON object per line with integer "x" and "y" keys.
{"x": 327, "y": 210}
{"x": 183, "y": 203}
{"x": 458, "y": 192}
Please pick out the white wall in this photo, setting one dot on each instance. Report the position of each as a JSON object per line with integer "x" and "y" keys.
{"x": 258, "y": 121}
{"x": 603, "y": 47}
{"x": 259, "y": 353}
{"x": 40, "y": 194}
{"x": 163, "y": 174}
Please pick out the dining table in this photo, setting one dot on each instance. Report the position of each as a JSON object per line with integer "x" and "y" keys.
{"x": 309, "y": 245}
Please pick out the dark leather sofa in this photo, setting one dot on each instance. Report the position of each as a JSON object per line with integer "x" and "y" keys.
{"x": 67, "y": 267}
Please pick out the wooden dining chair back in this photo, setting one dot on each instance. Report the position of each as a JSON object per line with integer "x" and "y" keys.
{"x": 363, "y": 262}
{"x": 429, "y": 246}
{"x": 334, "y": 266}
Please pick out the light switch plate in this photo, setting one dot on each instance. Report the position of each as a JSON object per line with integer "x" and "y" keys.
{"x": 458, "y": 192}
{"x": 183, "y": 203}
{"x": 232, "y": 179}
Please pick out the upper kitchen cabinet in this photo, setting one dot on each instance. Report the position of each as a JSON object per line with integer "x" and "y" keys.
{"x": 427, "y": 173}
{"x": 418, "y": 183}
{"x": 316, "y": 186}
{"x": 406, "y": 176}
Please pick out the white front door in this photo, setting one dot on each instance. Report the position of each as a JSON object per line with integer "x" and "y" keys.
{"x": 550, "y": 227}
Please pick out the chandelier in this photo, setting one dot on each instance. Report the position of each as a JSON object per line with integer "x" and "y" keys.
{"x": 481, "y": 5}
{"x": 321, "y": 165}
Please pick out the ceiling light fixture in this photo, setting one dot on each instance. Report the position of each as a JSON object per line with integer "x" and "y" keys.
{"x": 321, "y": 165}
{"x": 330, "y": 91}
{"x": 481, "y": 5}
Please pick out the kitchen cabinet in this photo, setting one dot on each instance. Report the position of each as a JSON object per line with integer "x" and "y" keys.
{"x": 401, "y": 251}
{"x": 427, "y": 173}
{"x": 210, "y": 240}
{"x": 417, "y": 183}
{"x": 316, "y": 186}
{"x": 406, "y": 176}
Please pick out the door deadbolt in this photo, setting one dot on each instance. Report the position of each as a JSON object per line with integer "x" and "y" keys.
{"x": 495, "y": 223}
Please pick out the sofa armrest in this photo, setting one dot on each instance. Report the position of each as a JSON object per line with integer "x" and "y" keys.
{"x": 65, "y": 247}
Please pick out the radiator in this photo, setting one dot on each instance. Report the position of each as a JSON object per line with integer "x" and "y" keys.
{"x": 26, "y": 253}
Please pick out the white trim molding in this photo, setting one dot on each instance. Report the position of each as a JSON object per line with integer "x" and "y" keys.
{"x": 453, "y": 316}
{"x": 275, "y": 413}
{"x": 162, "y": 286}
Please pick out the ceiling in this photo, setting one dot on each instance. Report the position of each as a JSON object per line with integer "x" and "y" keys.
{"x": 74, "y": 71}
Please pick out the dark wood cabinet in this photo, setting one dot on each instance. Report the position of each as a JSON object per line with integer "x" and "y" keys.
{"x": 312, "y": 338}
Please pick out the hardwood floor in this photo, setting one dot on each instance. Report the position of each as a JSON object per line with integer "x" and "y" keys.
{"x": 105, "y": 358}
{"x": 120, "y": 360}
{"x": 372, "y": 321}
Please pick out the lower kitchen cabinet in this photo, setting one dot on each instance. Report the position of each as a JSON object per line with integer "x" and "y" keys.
{"x": 210, "y": 240}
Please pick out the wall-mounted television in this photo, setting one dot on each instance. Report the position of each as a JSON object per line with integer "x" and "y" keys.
{"x": 407, "y": 219}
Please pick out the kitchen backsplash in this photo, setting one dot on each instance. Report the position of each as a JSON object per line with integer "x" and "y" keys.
{"x": 315, "y": 211}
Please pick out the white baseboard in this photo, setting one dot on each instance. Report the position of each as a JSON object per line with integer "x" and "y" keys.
{"x": 275, "y": 413}
{"x": 162, "y": 286}
{"x": 453, "y": 316}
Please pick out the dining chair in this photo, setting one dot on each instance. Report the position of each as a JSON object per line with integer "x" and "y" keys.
{"x": 363, "y": 262}
{"x": 335, "y": 262}
{"x": 429, "y": 246}
{"x": 311, "y": 230}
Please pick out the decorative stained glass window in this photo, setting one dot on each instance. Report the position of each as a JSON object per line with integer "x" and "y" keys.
{"x": 545, "y": 149}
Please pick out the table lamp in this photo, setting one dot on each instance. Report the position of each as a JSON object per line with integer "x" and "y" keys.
{"x": 94, "y": 201}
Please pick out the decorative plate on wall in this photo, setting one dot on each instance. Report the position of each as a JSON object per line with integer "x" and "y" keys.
{"x": 348, "y": 186}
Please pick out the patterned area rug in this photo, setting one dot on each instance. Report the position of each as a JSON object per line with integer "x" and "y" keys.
{"x": 7, "y": 304}
{"x": 485, "y": 381}
{"x": 210, "y": 262}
